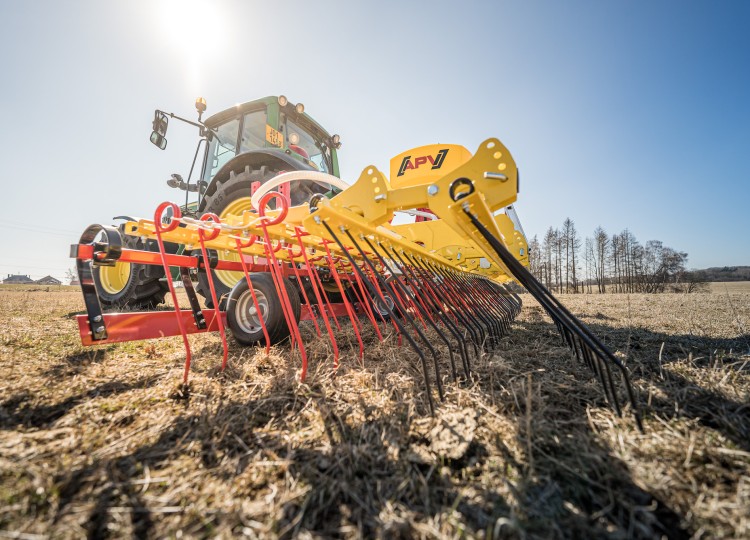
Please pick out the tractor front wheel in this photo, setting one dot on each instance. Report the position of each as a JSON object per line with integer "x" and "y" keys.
{"x": 130, "y": 285}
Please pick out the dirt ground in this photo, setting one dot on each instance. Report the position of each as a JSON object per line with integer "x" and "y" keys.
{"x": 96, "y": 442}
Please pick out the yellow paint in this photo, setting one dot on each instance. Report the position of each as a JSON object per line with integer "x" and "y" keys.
{"x": 368, "y": 205}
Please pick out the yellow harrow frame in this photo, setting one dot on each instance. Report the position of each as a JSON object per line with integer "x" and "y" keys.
{"x": 444, "y": 276}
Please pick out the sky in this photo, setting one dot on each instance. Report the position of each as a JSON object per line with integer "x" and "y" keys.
{"x": 619, "y": 114}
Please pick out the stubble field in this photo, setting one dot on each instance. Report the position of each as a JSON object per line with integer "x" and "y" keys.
{"x": 96, "y": 441}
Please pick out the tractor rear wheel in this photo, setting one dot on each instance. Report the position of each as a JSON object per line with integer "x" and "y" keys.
{"x": 243, "y": 317}
{"x": 232, "y": 196}
{"x": 131, "y": 285}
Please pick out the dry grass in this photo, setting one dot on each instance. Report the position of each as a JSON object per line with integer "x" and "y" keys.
{"x": 92, "y": 441}
{"x": 724, "y": 287}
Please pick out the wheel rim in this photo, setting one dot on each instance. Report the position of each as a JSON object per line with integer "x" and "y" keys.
{"x": 247, "y": 316}
{"x": 114, "y": 278}
{"x": 381, "y": 308}
{"x": 228, "y": 277}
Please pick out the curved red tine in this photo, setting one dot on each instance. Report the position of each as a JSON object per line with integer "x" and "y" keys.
{"x": 215, "y": 231}
{"x": 366, "y": 304}
{"x": 160, "y": 228}
{"x": 289, "y": 250}
{"x": 245, "y": 243}
{"x": 315, "y": 282}
{"x": 174, "y": 221}
{"x": 323, "y": 292}
{"x": 240, "y": 246}
{"x": 280, "y": 200}
{"x": 278, "y": 277}
{"x": 347, "y": 305}
{"x": 202, "y": 237}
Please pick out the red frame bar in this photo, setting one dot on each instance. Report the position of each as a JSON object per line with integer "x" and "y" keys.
{"x": 134, "y": 326}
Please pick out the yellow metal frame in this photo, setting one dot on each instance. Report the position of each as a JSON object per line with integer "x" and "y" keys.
{"x": 367, "y": 207}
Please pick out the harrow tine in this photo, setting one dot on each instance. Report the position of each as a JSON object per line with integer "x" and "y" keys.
{"x": 252, "y": 293}
{"x": 434, "y": 300}
{"x": 217, "y": 313}
{"x": 347, "y": 304}
{"x": 567, "y": 322}
{"x": 464, "y": 316}
{"x": 159, "y": 229}
{"x": 315, "y": 283}
{"x": 400, "y": 305}
{"x": 376, "y": 291}
{"x": 464, "y": 295}
{"x": 277, "y": 275}
{"x": 426, "y": 316}
{"x": 295, "y": 270}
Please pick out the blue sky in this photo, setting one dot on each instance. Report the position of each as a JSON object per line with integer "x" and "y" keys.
{"x": 620, "y": 114}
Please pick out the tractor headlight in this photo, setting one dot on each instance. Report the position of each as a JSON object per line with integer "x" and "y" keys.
{"x": 299, "y": 108}
{"x": 336, "y": 140}
{"x": 283, "y": 101}
{"x": 294, "y": 137}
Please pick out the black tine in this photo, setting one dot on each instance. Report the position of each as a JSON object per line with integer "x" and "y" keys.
{"x": 566, "y": 322}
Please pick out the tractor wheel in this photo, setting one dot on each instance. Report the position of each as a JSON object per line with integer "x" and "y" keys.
{"x": 131, "y": 285}
{"x": 242, "y": 316}
{"x": 232, "y": 196}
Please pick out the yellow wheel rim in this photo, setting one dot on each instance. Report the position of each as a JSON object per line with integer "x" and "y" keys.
{"x": 114, "y": 278}
{"x": 228, "y": 277}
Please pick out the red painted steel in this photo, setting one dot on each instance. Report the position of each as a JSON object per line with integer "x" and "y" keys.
{"x": 132, "y": 326}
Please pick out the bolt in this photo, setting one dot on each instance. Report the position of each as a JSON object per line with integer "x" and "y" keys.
{"x": 380, "y": 197}
{"x": 432, "y": 190}
{"x": 317, "y": 220}
{"x": 342, "y": 228}
{"x": 98, "y": 318}
{"x": 99, "y": 329}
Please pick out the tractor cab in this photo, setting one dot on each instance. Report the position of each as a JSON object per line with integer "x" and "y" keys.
{"x": 269, "y": 132}
{"x": 267, "y": 124}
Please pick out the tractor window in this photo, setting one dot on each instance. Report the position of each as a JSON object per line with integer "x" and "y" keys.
{"x": 223, "y": 147}
{"x": 315, "y": 152}
{"x": 253, "y": 131}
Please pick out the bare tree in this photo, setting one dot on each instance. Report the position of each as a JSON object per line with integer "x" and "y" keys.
{"x": 601, "y": 249}
{"x": 572, "y": 245}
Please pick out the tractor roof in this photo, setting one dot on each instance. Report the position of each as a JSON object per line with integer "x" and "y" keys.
{"x": 262, "y": 103}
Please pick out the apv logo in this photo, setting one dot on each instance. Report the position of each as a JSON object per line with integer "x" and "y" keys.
{"x": 436, "y": 162}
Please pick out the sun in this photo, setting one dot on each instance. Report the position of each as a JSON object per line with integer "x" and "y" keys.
{"x": 188, "y": 27}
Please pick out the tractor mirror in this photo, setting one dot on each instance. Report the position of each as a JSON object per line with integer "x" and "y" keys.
{"x": 160, "y": 123}
{"x": 158, "y": 140}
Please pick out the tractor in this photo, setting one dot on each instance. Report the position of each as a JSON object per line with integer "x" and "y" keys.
{"x": 242, "y": 148}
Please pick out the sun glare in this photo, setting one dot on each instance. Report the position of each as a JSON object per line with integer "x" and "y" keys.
{"x": 189, "y": 27}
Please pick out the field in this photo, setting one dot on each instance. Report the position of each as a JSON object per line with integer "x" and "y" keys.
{"x": 729, "y": 287}
{"x": 98, "y": 441}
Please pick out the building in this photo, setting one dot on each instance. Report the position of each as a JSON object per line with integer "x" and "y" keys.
{"x": 48, "y": 280}
{"x": 16, "y": 279}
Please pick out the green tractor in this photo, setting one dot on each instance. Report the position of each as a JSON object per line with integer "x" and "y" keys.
{"x": 242, "y": 147}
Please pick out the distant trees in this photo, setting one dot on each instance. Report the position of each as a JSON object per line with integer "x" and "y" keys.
{"x": 618, "y": 263}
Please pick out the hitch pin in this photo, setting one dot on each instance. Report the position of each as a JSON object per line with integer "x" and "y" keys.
{"x": 495, "y": 176}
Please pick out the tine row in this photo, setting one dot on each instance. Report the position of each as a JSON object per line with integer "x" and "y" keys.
{"x": 469, "y": 314}
{"x": 576, "y": 335}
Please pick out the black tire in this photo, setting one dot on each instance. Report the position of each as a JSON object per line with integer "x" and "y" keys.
{"x": 242, "y": 317}
{"x": 131, "y": 285}
{"x": 217, "y": 199}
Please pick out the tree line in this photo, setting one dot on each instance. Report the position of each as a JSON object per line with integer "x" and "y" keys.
{"x": 565, "y": 262}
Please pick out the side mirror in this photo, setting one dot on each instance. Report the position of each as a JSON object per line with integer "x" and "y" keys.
{"x": 158, "y": 140}
{"x": 159, "y": 125}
